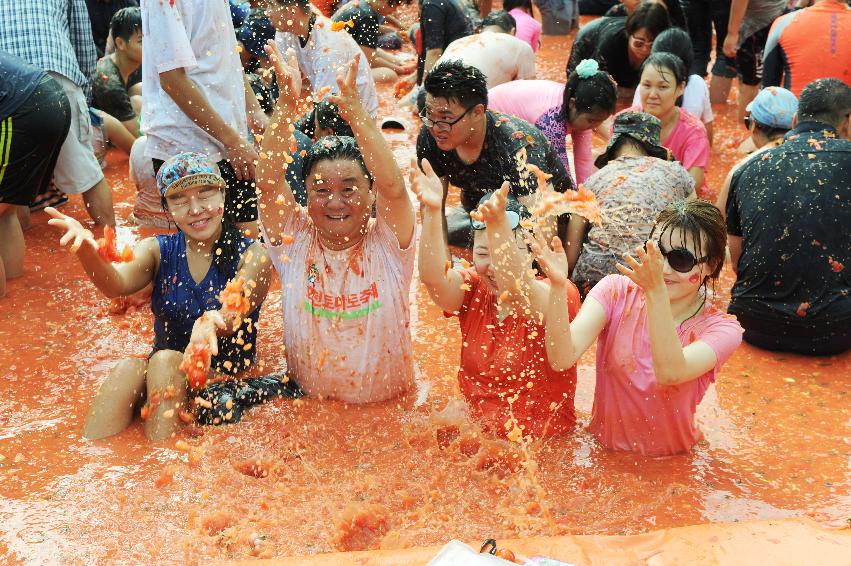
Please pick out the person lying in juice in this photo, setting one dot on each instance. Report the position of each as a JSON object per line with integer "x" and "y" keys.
{"x": 659, "y": 346}
{"x": 503, "y": 375}
{"x": 345, "y": 276}
{"x": 187, "y": 271}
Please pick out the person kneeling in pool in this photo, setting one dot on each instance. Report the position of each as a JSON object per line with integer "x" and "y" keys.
{"x": 345, "y": 277}
{"x": 659, "y": 346}
{"x": 504, "y": 374}
{"x": 188, "y": 270}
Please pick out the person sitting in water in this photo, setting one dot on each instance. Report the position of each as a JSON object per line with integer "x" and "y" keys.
{"x": 559, "y": 110}
{"x": 636, "y": 181}
{"x": 319, "y": 49}
{"x": 772, "y": 115}
{"x": 504, "y": 375}
{"x": 790, "y": 246}
{"x": 663, "y": 81}
{"x": 620, "y": 45}
{"x": 476, "y": 149}
{"x": 494, "y": 51}
{"x": 659, "y": 346}
{"x": 363, "y": 21}
{"x": 696, "y": 93}
{"x": 346, "y": 277}
{"x": 188, "y": 270}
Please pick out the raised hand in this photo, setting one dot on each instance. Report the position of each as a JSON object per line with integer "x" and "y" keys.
{"x": 551, "y": 258}
{"x": 348, "y": 97}
{"x": 74, "y": 231}
{"x": 493, "y": 210}
{"x": 646, "y": 271}
{"x": 287, "y": 73}
{"x": 426, "y": 185}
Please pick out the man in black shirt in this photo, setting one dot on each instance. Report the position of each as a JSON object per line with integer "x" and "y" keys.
{"x": 441, "y": 23}
{"x": 789, "y": 225}
{"x": 367, "y": 18}
{"x": 476, "y": 149}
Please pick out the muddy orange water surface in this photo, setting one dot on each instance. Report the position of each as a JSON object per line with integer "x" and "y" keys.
{"x": 297, "y": 478}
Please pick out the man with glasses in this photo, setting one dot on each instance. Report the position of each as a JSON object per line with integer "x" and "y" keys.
{"x": 476, "y": 149}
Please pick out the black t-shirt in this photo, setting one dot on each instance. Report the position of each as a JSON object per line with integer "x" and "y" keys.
{"x": 365, "y": 22}
{"x": 791, "y": 205}
{"x": 441, "y": 23}
{"x": 605, "y": 41}
{"x": 499, "y": 160}
{"x": 18, "y": 80}
{"x": 109, "y": 92}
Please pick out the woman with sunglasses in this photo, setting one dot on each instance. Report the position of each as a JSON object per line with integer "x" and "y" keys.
{"x": 504, "y": 375}
{"x": 620, "y": 45}
{"x": 659, "y": 346}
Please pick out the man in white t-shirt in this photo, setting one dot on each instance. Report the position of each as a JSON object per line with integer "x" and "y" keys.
{"x": 495, "y": 51}
{"x": 195, "y": 95}
{"x": 320, "y": 50}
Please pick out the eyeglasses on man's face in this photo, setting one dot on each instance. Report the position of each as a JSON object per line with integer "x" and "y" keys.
{"x": 441, "y": 126}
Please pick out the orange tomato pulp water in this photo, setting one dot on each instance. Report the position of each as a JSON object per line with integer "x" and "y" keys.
{"x": 315, "y": 476}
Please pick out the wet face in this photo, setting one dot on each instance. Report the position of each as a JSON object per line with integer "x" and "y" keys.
{"x": 659, "y": 90}
{"x": 580, "y": 121}
{"x": 198, "y": 211}
{"x": 482, "y": 257}
{"x": 640, "y": 43}
{"x": 682, "y": 285}
{"x": 452, "y": 124}
{"x": 339, "y": 200}
{"x": 132, "y": 47}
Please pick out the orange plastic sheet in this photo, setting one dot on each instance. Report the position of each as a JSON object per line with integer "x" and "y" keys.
{"x": 787, "y": 541}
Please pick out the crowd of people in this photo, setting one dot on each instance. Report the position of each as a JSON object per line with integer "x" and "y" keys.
{"x": 255, "y": 149}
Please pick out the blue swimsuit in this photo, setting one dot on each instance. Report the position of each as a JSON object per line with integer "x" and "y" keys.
{"x": 177, "y": 301}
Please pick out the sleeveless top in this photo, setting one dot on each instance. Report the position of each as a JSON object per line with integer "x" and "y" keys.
{"x": 177, "y": 301}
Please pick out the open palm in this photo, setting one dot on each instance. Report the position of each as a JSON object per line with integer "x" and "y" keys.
{"x": 426, "y": 185}
{"x": 551, "y": 257}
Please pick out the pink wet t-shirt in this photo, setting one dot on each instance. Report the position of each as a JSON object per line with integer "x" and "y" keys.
{"x": 528, "y": 28}
{"x": 632, "y": 412}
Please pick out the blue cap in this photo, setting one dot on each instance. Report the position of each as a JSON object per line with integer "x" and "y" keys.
{"x": 239, "y": 12}
{"x": 254, "y": 34}
{"x": 774, "y": 107}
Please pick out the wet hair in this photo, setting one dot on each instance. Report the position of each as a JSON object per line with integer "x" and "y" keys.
{"x": 597, "y": 93}
{"x": 525, "y": 5}
{"x": 676, "y": 41}
{"x": 453, "y": 80}
{"x": 700, "y": 222}
{"x": 665, "y": 62}
{"x": 652, "y": 17}
{"x": 502, "y": 19}
{"x": 332, "y": 148}
{"x": 328, "y": 117}
{"x": 125, "y": 22}
{"x": 825, "y": 100}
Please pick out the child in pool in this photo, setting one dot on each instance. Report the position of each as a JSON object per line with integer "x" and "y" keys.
{"x": 346, "y": 277}
{"x": 659, "y": 346}
{"x": 187, "y": 269}
{"x": 504, "y": 375}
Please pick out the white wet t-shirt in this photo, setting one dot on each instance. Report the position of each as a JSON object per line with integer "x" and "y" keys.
{"x": 346, "y": 313}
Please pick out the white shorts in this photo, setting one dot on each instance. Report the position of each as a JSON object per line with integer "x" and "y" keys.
{"x": 77, "y": 169}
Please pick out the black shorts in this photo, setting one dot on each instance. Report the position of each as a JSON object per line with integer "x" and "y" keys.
{"x": 749, "y": 57}
{"x": 240, "y": 196}
{"x": 30, "y": 141}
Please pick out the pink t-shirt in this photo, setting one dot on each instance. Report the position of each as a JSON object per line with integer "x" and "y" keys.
{"x": 632, "y": 412}
{"x": 539, "y": 102}
{"x": 528, "y": 28}
{"x": 346, "y": 314}
{"x": 689, "y": 143}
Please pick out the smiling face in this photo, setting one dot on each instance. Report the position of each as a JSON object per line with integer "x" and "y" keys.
{"x": 198, "y": 211}
{"x": 659, "y": 90}
{"x": 482, "y": 257}
{"x": 448, "y": 110}
{"x": 683, "y": 285}
{"x": 339, "y": 201}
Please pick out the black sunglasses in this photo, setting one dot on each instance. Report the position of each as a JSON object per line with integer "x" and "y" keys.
{"x": 680, "y": 259}
{"x": 748, "y": 122}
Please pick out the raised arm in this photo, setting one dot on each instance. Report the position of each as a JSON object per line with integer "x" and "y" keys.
{"x": 672, "y": 363}
{"x": 113, "y": 280}
{"x": 443, "y": 283}
{"x": 393, "y": 202}
{"x": 276, "y": 200}
{"x": 565, "y": 341}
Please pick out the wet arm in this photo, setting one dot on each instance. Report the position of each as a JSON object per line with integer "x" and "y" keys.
{"x": 566, "y": 341}
{"x": 123, "y": 279}
{"x": 443, "y": 285}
